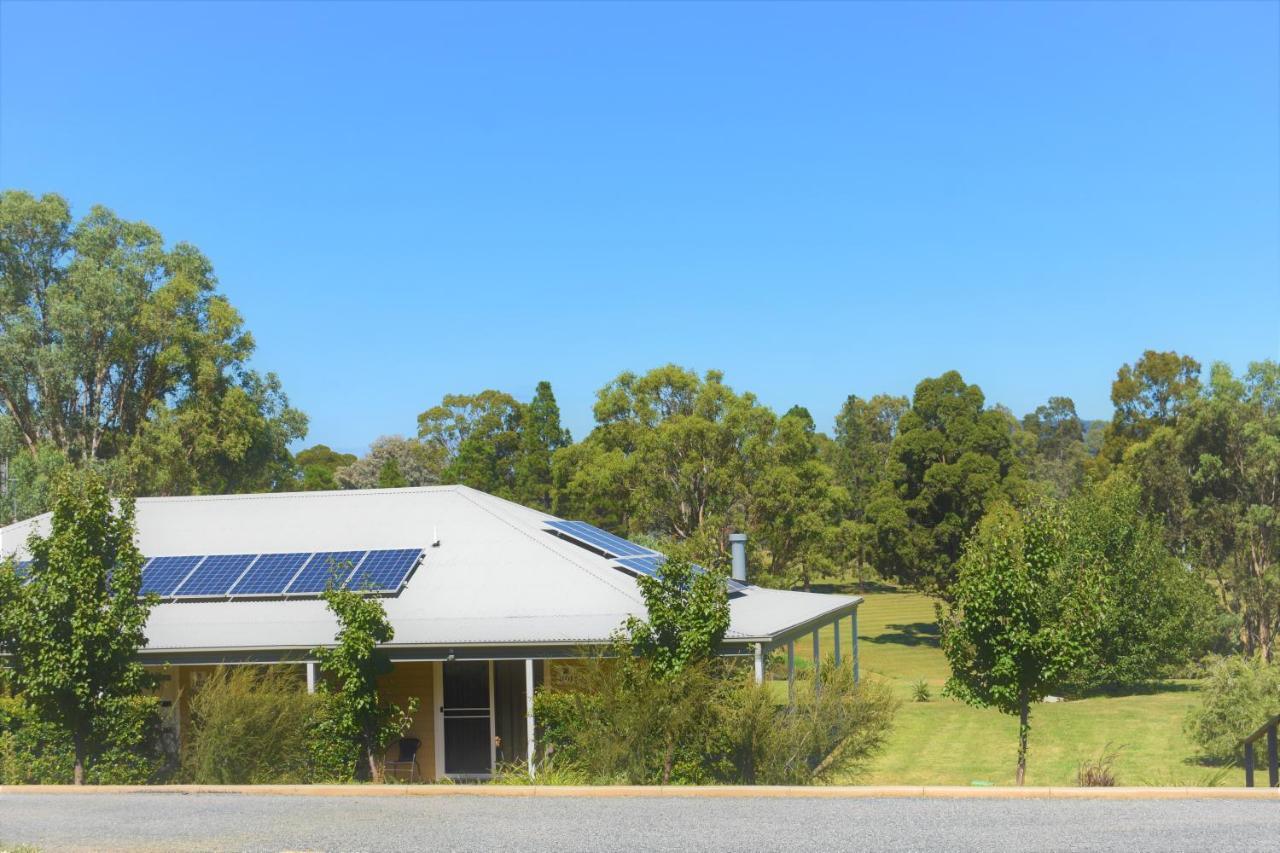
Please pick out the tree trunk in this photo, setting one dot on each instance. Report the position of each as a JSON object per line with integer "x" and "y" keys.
{"x": 375, "y": 766}
{"x": 1024, "y": 727}
{"x": 77, "y": 745}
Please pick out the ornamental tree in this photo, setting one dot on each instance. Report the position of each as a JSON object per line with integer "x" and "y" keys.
{"x": 354, "y": 712}
{"x": 1021, "y": 618}
{"x": 74, "y": 629}
{"x": 688, "y": 617}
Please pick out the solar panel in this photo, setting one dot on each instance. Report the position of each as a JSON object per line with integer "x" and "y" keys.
{"x": 324, "y": 568}
{"x": 647, "y": 565}
{"x": 163, "y": 574}
{"x": 270, "y": 574}
{"x": 384, "y": 571}
{"x": 651, "y": 565}
{"x": 215, "y": 575}
{"x": 612, "y": 546}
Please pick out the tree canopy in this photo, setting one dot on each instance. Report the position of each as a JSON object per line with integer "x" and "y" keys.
{"x": 952, "y": 458}
{"x": 115, "y": 348}
{"x": 1213, "y": 475}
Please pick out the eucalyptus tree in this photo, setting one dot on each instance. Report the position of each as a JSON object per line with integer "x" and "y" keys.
{"x": 1058, "y": 454}
{"x": 393, "y": 461}
{"x": 478, "y": 436}
{"x": 951, "y": 459}
{"x": 864, "y": 434}
{"x": 115, "y": 347}
{"x": 317, "y": 466}
{"x": 1214, "y": 478}
{"x": 1149, "y": 394}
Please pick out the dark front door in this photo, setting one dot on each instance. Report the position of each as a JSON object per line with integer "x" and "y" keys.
{"x": 467, "y": 718}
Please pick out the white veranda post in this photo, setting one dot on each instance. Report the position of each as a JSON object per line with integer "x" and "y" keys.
{"x": 854, "y": 630}
{"x": 531, "y": 748}
{"x": 791, "y": 672}
{"x": 817, "y": 656}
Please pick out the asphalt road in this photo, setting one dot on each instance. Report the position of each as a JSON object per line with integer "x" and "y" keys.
{"x": 171, "y": 821}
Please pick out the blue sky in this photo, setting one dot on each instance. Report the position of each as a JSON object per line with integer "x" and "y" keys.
{"x": 410, "y": 200}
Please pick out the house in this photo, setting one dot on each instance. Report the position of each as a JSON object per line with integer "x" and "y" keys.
{"x": 483, "y": 595}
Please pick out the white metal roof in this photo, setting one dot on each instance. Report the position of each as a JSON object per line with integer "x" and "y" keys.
{"x": 498, "y": 577}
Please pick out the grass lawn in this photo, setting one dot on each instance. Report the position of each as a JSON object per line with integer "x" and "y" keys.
{"x": 944, "y": 742}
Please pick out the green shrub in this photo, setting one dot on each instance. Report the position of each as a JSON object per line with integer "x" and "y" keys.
{"x": 614, "y": 721}
{"x": 250, "y": 725}
{"x": 920, "y": 691}
{"x": 37, "y": 752}
{"x": 619, "y": 722}
{"x": 1240, "y": 695}
{"x": 828, "y": 733}
{"x": 333, "y": 754}
{"x": 32, "y": 752}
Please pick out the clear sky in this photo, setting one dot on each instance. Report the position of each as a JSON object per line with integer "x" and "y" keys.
{"x": 406, "y": 200}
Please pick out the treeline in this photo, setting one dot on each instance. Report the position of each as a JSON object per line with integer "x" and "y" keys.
{"x": 118, "y": 352}
{"x": 1191, "y": 467}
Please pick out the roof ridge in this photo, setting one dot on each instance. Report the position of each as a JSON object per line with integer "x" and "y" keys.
{"x": 542, "y": 543}
{"x": 308, "y": 495}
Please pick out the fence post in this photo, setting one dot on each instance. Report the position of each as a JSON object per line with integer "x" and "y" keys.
{"x": 1273, "y": 765}
{"x": 1248, "y": 765}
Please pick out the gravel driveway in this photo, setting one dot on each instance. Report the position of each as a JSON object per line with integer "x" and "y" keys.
{"x": 173, "y": 821}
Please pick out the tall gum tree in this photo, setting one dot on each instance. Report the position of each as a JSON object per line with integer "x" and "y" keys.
{"x": 952, "y": 458}
{"x": 114, "y": 347}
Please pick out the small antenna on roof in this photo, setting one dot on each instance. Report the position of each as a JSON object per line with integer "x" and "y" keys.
{"x": 435, "y": 537}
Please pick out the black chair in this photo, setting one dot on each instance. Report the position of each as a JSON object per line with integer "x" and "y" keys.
{"x": 407, "y": 759}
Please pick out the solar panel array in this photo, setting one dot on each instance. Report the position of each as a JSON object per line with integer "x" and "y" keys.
{"x": 630, "y": 556}
{"x": 603, "y": 540}
{"x": 285, "y": 574}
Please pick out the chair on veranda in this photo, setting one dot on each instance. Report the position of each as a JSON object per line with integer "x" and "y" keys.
{"x": 407, "y": 759}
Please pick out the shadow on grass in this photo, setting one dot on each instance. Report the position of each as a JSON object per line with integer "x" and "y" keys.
{"x": 852, "y": 587}
{"x": 909, "y": 634}
{"x": 1115, "y": 691}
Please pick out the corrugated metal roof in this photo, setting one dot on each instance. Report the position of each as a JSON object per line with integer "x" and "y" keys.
{"x": 497, "y": 577}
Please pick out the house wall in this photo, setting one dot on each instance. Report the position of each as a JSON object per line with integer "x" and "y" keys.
{"x": 176, "y": 686}
{"x": 409, "y": 680}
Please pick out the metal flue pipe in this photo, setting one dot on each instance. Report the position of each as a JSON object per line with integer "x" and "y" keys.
{"x": 738, "y": 547}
